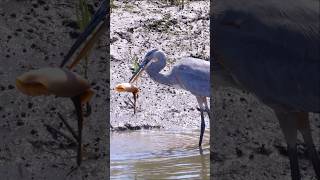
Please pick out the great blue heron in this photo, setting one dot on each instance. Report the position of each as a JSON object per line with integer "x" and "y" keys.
{"x": 271, "y": 48}
{"x": 191, "y": 74}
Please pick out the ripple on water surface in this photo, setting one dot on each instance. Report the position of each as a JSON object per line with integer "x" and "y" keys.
{"x": 159, "y": 154}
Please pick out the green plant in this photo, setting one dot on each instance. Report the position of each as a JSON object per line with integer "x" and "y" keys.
{"x": 177, "y": 3}
{"x": 83, "y": 18}
{"x": 135, "y": 65}
{"x": 112, "y": 5}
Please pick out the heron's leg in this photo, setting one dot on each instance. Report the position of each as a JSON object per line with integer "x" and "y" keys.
{"x": 288, "y": 124}
{"x": 203, "y": 125}
{"x": 207, "y": 108}
{"x": 77, "y": 104}
{"x": 304, "y": 128}
{"x": 134, "y": 102}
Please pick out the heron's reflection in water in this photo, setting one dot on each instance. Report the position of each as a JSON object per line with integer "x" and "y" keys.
{"x": 159, "y": 154}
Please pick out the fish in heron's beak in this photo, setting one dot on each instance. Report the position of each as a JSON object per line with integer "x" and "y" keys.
{"x": 145, "y": 63}
{"x": 54, "y": 81}
{"x": 89, "y": 36}
{"x": 126, "y": 87}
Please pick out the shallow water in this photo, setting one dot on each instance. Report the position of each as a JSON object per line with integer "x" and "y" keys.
{"x": 159, "y": 154}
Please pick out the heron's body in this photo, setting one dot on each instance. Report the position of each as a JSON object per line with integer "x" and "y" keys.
{"x": 191, "y": 74}
{"x": 271, "y": 48}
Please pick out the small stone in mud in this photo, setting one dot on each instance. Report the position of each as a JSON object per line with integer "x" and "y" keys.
{"x": 42, "y": 21}
{"x": 262, "y": 150}
{"x": 239, "y": 152}
{"x": 130, "y": 127}
{"x": 35, "y": 5}
{"x": 30, "y": 30}
{"x": 243, "y": 100}
{"x": 13, "y": 15}
{"x": 41, "y": 2}
{"x": 120, "y": 129}
{"x": 23, "y": 114}
{"x": 33, "y": 132}
{"x": 20, "y": 123}
{"x": 30, "y": 105}
{"x": 71, "y": 24}
{"x": 97, "y": 88}
{"x": 251, "y": 156}
{"x": 73, "y": 34}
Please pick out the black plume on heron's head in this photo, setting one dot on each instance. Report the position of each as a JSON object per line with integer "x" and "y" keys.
{"x": 149, "y": 53}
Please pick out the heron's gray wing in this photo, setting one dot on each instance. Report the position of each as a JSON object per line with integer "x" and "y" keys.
{"x": 193, "y": 75}
{"x": 272, "y": 48}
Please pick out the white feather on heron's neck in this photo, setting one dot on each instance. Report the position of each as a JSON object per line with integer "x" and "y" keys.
{"x": 158, "y": 64}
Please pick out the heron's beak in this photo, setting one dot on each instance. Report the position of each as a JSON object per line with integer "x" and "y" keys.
{"x": 88, "y": 37}
{"x": 142, "y": 67}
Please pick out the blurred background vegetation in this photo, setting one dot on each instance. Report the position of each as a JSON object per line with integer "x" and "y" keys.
{"x": 83, "y": 19}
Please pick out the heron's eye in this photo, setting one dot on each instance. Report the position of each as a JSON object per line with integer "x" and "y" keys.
{"x": 154, "y": 59}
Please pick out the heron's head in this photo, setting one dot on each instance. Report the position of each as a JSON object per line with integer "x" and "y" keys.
{"x": 154, "y": 61}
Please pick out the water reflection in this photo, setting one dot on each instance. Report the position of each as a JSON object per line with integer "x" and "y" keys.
{"x": 159, "y": 154}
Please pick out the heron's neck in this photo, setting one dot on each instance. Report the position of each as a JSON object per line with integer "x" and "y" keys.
{"x": 162, "y": 78}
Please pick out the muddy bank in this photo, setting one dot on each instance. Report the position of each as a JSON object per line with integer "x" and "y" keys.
{"x": 143, "y": 25}
{"x": 36, "y": 34}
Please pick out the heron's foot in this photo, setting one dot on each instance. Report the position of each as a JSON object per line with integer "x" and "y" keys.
{"x": 200, "y": 150}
